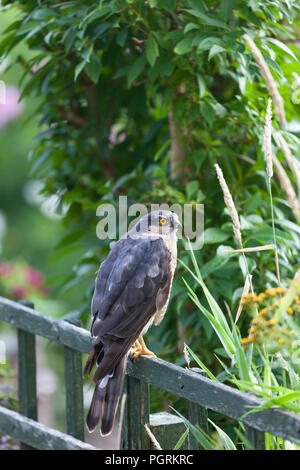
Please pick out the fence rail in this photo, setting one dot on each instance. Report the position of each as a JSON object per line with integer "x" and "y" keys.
{"x": 200, "y": 392}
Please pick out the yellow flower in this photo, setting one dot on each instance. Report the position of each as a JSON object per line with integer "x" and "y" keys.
{"x": 270, "y": 322}
{"x": 264, "y": 311}
{"x": 290, "y": 311}
{"x": 271, "y": 292}
{"x": 247, "y": 340}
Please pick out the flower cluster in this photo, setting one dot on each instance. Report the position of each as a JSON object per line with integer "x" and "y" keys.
{"x": 20, "y": 281}
{"x": 265, "y": 327}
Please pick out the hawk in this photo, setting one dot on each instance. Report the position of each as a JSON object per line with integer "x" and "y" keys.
{"x": 132, "y": 291}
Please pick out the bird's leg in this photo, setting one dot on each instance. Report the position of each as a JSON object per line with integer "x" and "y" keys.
{"x": 135, "y": 348}
{"x": 140, "y": 349}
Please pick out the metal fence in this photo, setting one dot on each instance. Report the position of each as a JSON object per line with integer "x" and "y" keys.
{"x": 200, "y": 392}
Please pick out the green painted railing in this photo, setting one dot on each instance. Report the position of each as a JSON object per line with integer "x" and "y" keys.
{"x": 200, "y": 392}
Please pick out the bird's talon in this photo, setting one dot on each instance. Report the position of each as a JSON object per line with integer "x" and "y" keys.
{"x": 139, "y": 349}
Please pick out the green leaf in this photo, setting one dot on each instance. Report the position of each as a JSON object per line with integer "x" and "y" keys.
{"x": 205, "y": 441}
{"x": 122, "y": 36}
{"x": 96, "y": 14}
{"x": 207, "y": 112}
{"x": 71, "y": 238}
{"x": 201, "y": 85}
{"x": 192, "y": 188}
{"x": 164, "y": 146}
{"x": 209, "y": 20}
{"x": 215, "y": 235}
{"x": 190, "y": 27}
{"x": 200, "y": 363}
{"x": 168, "y": 5}
{"x": 152, "y": 50}
{"x": 208, "y": 42}
{"x": 68, "y": 37}
{"x": 93, "y": 68}
{"x": 79, "y": 69}
{"x": 252, "y": 203}
{"x": 43, "y": 13}
{"x": 40, "y": 160}
{"x": 216, "y": 49}
{"x": 225, "y": 439}
{"x": 136, "y": 69}
{"x": 184, "y": 46}
{"x": 226, "y": 8}
{"x": 283, "y": 47}
{"x": 181, "y": 440}
{"x": 213, "y": 265}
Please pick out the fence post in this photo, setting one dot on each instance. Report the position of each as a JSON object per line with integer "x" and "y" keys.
{"x": 27, "y": 390}
{"x": 197, "y": 416}
{"x": 255, "y": 437}
{"x": 136, "y": 415}
{"x": 74, "y": 390}
{"x": 167, "y": 429}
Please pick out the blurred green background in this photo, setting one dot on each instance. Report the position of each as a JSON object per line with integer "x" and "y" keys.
{"x": 29, "y": 227}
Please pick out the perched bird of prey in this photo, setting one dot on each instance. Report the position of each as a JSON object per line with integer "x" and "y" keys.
{"x": 132, "y": 291}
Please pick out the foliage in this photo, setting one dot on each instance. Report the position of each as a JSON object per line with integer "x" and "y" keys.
{"x": 142, "y": 98}
{"x": 19, "y": 281}
{"x": 252, "y": 365}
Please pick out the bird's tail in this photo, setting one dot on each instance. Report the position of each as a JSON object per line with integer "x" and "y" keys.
{"x": 105, "y": 399}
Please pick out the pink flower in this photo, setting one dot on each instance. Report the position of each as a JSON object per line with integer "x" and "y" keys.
{"x": 19, "y": 292}
{"x": 5, "y": 269}
{"x": 34, "y": 277}
{"x": 10, "y": 109}
{"x": 115, "y": 137}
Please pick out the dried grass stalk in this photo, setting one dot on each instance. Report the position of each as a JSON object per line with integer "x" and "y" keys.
{"x": 153, "y": 438}
{"x": 186, "y": 355}
{"x": 271, "y": 84}
{"x": 247, "y": 285}
{"x": 291, "y": 160}
{"x": 268, "y": 140}
{"x": 252, "y": 248}
{"x": 230, "y": 205}
{"x": 287, "y": 187}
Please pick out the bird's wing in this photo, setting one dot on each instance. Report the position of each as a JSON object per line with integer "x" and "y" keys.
{"x": 132, "y": 283}
{"x": 135, "y": 272}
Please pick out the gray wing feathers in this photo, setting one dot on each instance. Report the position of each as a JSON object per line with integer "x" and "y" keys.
{"x": 125, "y": 293}
{"x": 132, "y": 283}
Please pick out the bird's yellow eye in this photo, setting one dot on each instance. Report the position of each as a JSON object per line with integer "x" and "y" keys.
{"x": 162, "y": 221}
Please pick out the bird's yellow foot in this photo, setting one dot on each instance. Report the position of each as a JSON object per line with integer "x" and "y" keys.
{"x": 140, "y": 349}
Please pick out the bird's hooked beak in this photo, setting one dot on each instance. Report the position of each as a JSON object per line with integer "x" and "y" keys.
{"x": 177, "y": 225}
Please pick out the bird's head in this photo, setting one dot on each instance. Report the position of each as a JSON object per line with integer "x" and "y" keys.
{"x": 162, "y": 222}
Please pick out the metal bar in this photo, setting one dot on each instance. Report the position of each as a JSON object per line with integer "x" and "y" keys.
{"x": 74, "y": 390}
{"x": 74, "y": 393}
{"x": 167, "y": 430}
{"x": 138, "y": 414}
{"x": 256, "y": 438}
{"x": 185, "y": 383}
{"x": 27, "y": 390}
{"x": 215, "y": 396}
{"x": 197, "y": 416}
{"x": 51, "y": 328}
{"x": 36, "y": 434}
